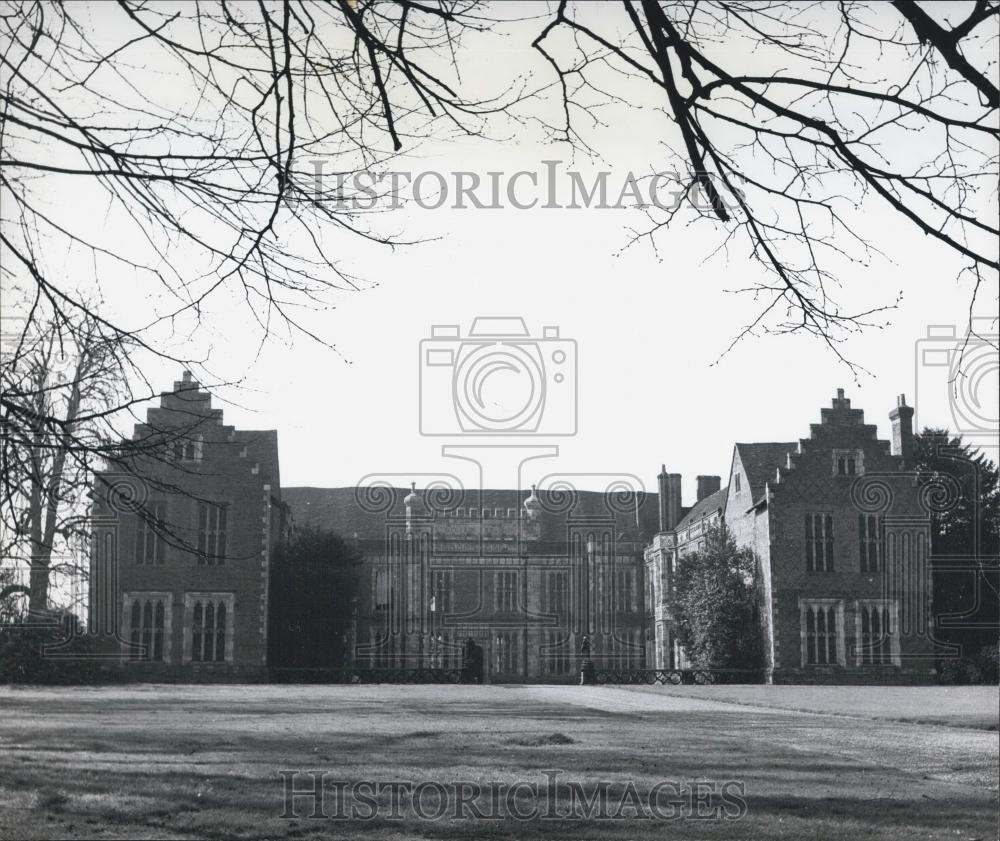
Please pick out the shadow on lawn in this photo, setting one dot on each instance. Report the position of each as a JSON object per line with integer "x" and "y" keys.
{"x": 191, "y": 804}
{"x": 159, "y": 768}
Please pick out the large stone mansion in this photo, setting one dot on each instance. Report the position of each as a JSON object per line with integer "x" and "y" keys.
{"x": 842, "y": 537}
{"x": 182, "y": 557}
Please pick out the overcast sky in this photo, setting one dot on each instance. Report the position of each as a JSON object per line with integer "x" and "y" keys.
{"x": 655, "y": 382}
{"x": 651, "y": 326}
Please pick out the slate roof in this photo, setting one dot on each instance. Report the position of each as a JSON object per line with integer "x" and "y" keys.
{"x": 262, "y": 447}
{"x": 761, "y": 462}
{"x": 705, "y": 506}
{"x": 351, "y": 510}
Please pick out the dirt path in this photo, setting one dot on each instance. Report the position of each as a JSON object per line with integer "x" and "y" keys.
{"x": 613, "y": 699}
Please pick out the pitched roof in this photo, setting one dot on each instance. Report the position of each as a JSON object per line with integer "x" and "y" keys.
{"x": 761, "y": 461}
{"x": 363, "y": 511}
{"x": 262, "y": 447}
{"x": 702, "y": 507}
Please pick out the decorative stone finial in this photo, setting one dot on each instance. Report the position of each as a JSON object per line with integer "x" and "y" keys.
{"x": 533, "y": 504}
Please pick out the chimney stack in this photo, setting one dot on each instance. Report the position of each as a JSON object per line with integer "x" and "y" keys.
{"x": 669, "y": 499}
{"x": 661, "y": 483}
{"x": 673, "y": 500}
{"x": 708, "y": 485}
{"x": 902, "y": 431}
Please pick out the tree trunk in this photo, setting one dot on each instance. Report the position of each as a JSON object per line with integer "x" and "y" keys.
{"x": 43, "y": 507}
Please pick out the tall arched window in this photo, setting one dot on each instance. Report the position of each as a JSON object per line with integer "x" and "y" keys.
{"x": 150, "y": 525}
{"x": 147, "y": 619}
{"x": 212, "y": 528}
{"x": 220, "y": 632}
{"x": 508, "y": 644}
{"x": 196, "y": 632}
{"x": 158, "y": 615}
{"x": 209, "y": 633}
{"x": 136, "y": 627}
{"x": 147, "y": 627}
{"x": 878, "y": 639}
{"x": 822, "y": 632}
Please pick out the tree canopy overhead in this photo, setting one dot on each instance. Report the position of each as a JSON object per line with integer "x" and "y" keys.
{"x": 790, "y": 117}
{"x": 188, "y": 129}
{"x": 159, "y": 154}
{"x": 171, "y": 145}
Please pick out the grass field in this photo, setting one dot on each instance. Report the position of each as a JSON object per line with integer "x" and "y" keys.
{"x": 952, "y": 706}
{"x": 205, "y": 761}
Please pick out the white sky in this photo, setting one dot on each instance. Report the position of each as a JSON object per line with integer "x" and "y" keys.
{"x": 651, "y": 328}
{"x": 655, "y": 385}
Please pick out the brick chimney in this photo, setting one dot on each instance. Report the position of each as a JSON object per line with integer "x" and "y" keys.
{"x": 708, "y": 485}
{"x": 669, "y": 498}
{"x": 902, "y": 431}
{"x": 661, "y": 483}
{"x": 673, "y": 500}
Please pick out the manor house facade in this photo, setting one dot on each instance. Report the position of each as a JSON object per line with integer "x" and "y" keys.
{"x": 525, "y": 575}
{"x": 182, "y": 557}
{"x": 841, "y": 531}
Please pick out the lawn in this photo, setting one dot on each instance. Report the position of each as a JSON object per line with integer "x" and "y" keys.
{"x": 952, "y": 706}
{"x": 745, "y": 763}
